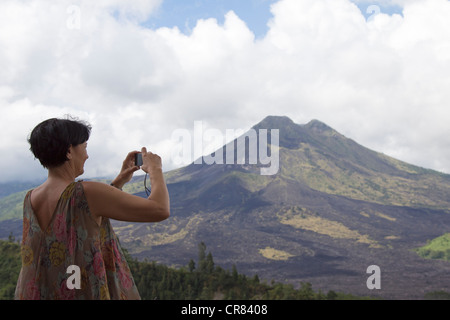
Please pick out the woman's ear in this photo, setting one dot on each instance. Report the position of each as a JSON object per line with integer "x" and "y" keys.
{"x": 69, "y": 153}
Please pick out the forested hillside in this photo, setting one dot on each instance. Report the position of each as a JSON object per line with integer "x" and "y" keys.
{"x": 201, "y": 280}
{"x": 10, "y": 264}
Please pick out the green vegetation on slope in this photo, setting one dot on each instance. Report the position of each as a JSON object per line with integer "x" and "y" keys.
{"x": 438, "y": 248}
{"x": 201, "y": 281}
{"x": 11, "y": 207}
{"x": 10, "y": 264}
{"x": 401, "y": 185}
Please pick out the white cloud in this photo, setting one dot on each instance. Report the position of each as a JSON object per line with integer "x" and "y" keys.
{"x": 381, "y": 82}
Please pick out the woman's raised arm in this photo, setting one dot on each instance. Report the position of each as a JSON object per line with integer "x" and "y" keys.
{"x": 108, "y": 201}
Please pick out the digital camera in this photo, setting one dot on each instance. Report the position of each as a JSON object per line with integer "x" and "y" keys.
{"x": 138, "y": 159}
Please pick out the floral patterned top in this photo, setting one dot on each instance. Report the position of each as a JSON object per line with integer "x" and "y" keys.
{"x": 73, "y": 238}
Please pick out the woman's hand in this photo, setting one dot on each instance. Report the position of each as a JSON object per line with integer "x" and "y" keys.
{"x": 151, "y": 162}
{"x": 152, "y": 165}
{"x": 128, "y": 169}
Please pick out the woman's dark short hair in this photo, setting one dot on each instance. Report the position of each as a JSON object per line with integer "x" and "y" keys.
{"x": 51, "y": 139}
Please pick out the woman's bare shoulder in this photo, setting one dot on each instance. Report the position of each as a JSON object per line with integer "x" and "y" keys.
{"x": 95, "y": 185}
{"x": 100, "y": 190}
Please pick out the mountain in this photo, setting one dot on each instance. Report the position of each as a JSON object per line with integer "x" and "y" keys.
{"x": 333, "y": 209}
{"x": 11, "y": 187}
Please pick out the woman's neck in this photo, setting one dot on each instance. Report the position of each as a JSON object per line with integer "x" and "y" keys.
{"x": 63, "y": 173}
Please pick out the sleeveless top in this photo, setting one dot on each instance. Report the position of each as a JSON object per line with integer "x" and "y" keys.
{"x": 72, "y": 238}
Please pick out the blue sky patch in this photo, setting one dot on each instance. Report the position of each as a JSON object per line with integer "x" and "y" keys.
{"x": 255, "y": 13}
{"x": 184, "y": 14}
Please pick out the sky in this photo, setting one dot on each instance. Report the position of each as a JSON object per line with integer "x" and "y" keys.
{"x": 376, "y": 71}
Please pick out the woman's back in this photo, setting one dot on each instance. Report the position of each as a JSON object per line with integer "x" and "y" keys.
{"x": 44, "y": 200}
{"x": 63, "y": 234}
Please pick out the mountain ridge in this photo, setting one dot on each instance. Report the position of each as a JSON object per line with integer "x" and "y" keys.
{"x": 334, "y": 208}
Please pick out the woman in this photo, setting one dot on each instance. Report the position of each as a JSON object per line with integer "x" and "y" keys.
{"x": 66, "y": 223}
